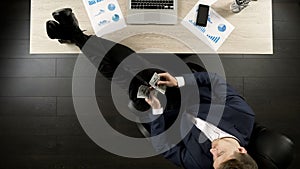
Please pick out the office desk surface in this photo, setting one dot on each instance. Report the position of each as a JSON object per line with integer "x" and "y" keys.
{"x": 252, "y": 33}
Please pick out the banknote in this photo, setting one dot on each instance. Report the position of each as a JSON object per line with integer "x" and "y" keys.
{"x": 143, "y": 92}
{"x": 153, "y": 82}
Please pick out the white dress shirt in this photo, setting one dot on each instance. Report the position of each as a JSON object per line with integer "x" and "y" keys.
{"x": 211, "y": 131}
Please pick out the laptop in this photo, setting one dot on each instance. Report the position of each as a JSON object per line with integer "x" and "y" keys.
{"x": 152, "y": 12}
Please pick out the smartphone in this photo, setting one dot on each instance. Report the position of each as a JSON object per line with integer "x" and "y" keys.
{"x": 202, "y": 15}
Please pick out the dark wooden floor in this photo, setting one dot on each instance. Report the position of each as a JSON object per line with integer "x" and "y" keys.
{"x": 38, "y": 126}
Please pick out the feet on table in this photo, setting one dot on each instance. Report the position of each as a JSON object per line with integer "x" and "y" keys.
{"x": 65, "y": 28}
{"x": 239, "y": 5}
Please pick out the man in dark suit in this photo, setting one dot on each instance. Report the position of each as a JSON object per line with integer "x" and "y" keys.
{"x": 224, "y": 149}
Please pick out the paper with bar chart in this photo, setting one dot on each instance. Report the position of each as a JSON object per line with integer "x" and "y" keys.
{"x": 105, "y": 16}
{"x": 216, "y": 31}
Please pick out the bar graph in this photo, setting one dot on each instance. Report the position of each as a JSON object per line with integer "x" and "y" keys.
{"x": 215, "y": 39}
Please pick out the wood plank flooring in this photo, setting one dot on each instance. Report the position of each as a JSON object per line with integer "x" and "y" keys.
{"x": 38, "y": 124}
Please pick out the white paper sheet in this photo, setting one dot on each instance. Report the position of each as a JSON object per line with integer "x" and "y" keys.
{"x": 105, "y": 16}
{"x": 216, "y": 31}
{"x": 207, "y": 2}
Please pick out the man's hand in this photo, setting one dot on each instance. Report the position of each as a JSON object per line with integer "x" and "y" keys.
{"x": 153, "y": 101}
{"x": 170, "y": 81}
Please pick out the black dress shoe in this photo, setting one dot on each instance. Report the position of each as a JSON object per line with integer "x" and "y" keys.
{"x": 52, "y": 28}
{"x": 65, "y": 28}
{"x": 66, "y": 17}
{"x": 54, "y": 31}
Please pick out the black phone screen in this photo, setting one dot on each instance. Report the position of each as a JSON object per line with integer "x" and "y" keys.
{"x": 202, "y": 15}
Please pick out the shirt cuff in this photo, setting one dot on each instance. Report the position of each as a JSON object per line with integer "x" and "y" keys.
{"x": 157, "y": 111}
{"x": 180, "y": 81}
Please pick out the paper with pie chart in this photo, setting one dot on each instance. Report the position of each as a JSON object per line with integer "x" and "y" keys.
{"x": 216, "y": 31}
{"x": 105, "y": 16}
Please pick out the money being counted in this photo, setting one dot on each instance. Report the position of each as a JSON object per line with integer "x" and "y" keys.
{"x": 153, "y": 82}
{"x": 144, "y": 91}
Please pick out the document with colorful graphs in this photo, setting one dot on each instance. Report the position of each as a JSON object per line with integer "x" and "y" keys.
{"x": 216, "y": 31}
{"x": 105, "y": 16}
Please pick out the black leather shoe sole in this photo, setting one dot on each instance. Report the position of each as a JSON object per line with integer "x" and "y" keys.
{"x": 54, "y": 31}
{"x": 52, "y": 28}
{"x": 65, "y": 16}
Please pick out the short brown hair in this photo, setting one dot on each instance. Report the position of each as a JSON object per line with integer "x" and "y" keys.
{"x": 240, "y": 161}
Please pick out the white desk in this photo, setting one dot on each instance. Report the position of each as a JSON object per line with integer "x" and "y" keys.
{"x": 252, "y": 33}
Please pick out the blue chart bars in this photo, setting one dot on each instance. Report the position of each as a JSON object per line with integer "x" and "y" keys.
{"x": 215, "y": 39}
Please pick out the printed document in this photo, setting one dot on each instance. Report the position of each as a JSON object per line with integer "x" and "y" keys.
{"x": 105, "y": 16}
{"x": 216, "y": 31}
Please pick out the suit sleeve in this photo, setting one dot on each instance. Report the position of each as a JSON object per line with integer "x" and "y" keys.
{"x": 161, "y": 143}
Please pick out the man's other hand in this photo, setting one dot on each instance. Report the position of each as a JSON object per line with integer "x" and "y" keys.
{"x": 153, "y": 101}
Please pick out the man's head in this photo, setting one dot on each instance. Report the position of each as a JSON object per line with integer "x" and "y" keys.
{"x": 228, "y": 154}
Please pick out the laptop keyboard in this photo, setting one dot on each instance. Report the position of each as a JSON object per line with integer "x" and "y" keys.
{"x": 152, "y": 4}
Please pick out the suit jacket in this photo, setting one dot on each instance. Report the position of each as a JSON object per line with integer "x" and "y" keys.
{"x": 237, "y": 119}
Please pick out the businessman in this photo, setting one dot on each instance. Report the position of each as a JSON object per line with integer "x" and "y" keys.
{"x": 226, "y": 142}
{"x": 224, "y": 149}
